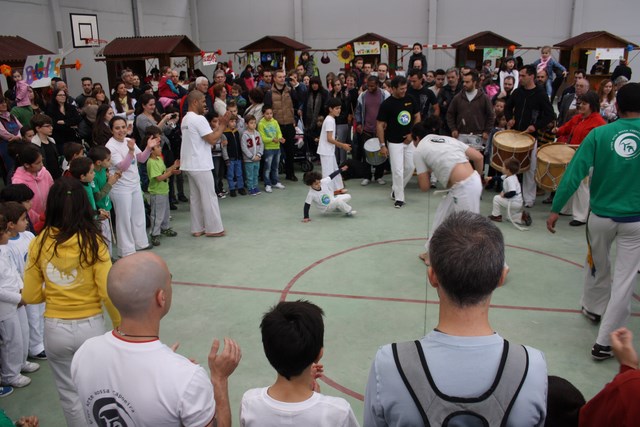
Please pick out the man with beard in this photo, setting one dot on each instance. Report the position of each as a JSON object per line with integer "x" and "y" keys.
{"x": 424, "y": 97}
{"x": 446, "y": 95}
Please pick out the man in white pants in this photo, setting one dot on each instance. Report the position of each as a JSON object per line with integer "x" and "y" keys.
{"x": 393, "y": 129}
{"x": 448, "y": 159}
{"x": 196, "y": 161}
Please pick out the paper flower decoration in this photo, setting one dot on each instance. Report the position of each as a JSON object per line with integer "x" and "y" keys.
{"x": 5, "y": 70}
{"x": 629, "y": 47}
{"x": 511, "y": 48}
{"x": 385, "y": 46}
{"x": 472, "y": 47}
{"x": 349, "y": 47}
{"x": 345, "y": 55}
{"x": 78, "y": 64}
{"x": 219, "y": 52}
{"x": 202, "y": 53}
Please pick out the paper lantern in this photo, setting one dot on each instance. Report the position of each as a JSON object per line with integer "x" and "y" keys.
{"x": 219, "y": 52}
{"x": 589, "y": 52}
{"x": 5, "y": 70}
{"x": 385, "y": 46}
{"x": 472, "y": 47}
{"x": 629, "y": 47}
{"x": 349, "y": 47}
{"x": 78, "y": 64}
{"x": 511, "y": 48}
{"x": 202, "y": 53}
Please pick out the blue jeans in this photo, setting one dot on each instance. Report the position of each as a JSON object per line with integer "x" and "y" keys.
{"x": 234, "y": 175}
{"x": 252, "y": 169}
{"x": 271, "y": 161}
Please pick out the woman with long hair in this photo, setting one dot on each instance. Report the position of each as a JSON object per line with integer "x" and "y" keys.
{"x": 101, "y": 130}
{"x": 607, "y": 96}
{"x": 123, "y": 104}
{"x": 66, "y": 119}
{"x": 71, "y": 258}
{"x": 100, "y": 95}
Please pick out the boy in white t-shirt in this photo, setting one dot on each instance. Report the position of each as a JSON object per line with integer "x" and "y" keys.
{"x": 322, "y": 196}
{"x": 511, "y": 196}
{"x": 327, "y": 144}
{"x": 292, "y": 338}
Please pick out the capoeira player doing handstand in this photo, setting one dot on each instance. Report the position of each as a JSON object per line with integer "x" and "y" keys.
{"x": 448, "y": 159}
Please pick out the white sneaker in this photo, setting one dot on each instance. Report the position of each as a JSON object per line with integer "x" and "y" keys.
{"x": 365, "y": 182}
{"x": 352, "y": 212}
{"x": 20, "y": 381}
{"x": 268, "y": 189}
{"x": 381, "y": 181}
{"x": 279, "y": 186}
{"x": 29, "y": 367}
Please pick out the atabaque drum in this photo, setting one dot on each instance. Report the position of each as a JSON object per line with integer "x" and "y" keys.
{"x": 511, "y": 144}
{"x": 553, "y": 160}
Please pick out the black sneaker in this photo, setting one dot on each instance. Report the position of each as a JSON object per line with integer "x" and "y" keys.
{"x": 173, "y": 207}
{"x": 155, "y": 240}
{"x": 233, "y": 193}
{"x": 242, "y": 192}
{"x": 40, "y": 356}
{"x": 601, "y": 352}
{"x": 398, "y": 204}
{"x": 168, "y": 232}
{"x": 595, "y": 318}
{"x": 183, "y": 198}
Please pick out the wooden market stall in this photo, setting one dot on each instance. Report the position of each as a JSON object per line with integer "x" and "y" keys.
{"x": 275, "y": 51}
{"x": 575, "y": 54}
{"x": 132, "y": 52}
{"x": 13, "y": 53}
{"x": 473, "y": 50}
{"x": 370, "y": 47}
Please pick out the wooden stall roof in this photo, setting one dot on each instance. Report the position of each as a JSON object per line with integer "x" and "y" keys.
{"x": 591, "y": 39}
{"x": 486, "y": 39}
{"x": 369, "y": 37}
{"x": 15, "y": 49}
{"x": 140, "y": 47}
{"x": 270, "y": 42}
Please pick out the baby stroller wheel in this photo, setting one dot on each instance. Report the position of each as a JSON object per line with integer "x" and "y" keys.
{"x": 307, "y": 165}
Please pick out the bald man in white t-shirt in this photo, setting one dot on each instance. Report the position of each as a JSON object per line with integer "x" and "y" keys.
{"x": 448, "y": 159}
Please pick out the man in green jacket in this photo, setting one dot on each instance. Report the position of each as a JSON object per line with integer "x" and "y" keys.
{"x": 613, "y": 151}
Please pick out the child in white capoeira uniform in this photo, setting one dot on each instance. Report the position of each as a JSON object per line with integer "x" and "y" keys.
{"x": 511, "y": 196}
{"x": 448, "y": 159}
{"x": 321, "y": 195}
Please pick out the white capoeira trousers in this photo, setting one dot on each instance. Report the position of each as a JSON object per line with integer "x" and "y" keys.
{"x": 401, "y": 160}
{"x": 609, "y": 292}
{"x": 131, "y": 227}
{"x": 203, "y": 203}
{"x": 462, "y": 196}
{"x": 330, "y": 165}
{"x": 339, "y": 203}
{"x": 529, "y": 179}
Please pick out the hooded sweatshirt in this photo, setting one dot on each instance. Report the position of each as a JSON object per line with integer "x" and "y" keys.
{"x": 71, "y": 290}
{"x": 40, "y": 184}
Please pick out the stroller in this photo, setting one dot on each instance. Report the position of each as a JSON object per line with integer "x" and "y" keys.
{"x": 301, "y": 153}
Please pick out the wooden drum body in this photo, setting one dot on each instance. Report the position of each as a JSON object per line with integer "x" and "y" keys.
{"x": 553, "y": 160}
{"x": 511, "y": 144}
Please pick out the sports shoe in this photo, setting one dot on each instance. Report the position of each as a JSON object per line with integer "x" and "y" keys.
{"x": 40, "y": 356}
{"x": 256, "y": 191}
{"x": 268, "y": 189}
{"x": 601, "y": 352}
{"x": 168, "y": 232}
{"x": 242, "y": 192}
{"x": 279, "y": 186}
{"x": 365, "y": 182}
{"x": 155, "y": 240}
{"x": 22, "y": 381}
{"x": 398, "y": 204}
{"x": 495, "y": 218}
{"x": 576, "y": 223}
{"x": 393, "y": 195}
{"x": 233, "y": 193}
{"x": 222, "y": 196}
{"x": 173, "y": 207}
{"x": 183, "y": 198}
{"x": 526, "y": 218}
{"x": 6, "y": 391}
{"x": 595, "y": 318}
{"x": 381, "y": 181}
{"x": 352, "y": 212}
{"x": 29, "y": 367}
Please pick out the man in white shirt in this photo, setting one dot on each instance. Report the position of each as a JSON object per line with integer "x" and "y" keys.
{"x": 196, "y": 161}
{"x": 128, "y": 377}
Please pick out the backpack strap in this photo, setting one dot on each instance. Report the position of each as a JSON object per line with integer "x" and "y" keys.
{"x": 494, "y": 404}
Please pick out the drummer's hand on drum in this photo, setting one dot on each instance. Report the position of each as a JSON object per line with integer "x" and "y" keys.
{"x": 346, "y": 147}
{"x": 510, "y": 123}
{"x": 530, "y": 129}
{"x": 551, "y": 221}
{"x": 485, "y": 136}
{"x": 384, "y": 151}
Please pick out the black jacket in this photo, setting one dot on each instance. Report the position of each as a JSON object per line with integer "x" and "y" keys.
{"x": 529, "y": 107}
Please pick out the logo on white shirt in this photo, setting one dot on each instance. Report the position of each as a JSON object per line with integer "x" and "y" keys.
{"x": 626, "y": 145}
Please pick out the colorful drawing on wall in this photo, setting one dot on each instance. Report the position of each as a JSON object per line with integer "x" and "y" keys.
{"x": 492, "y": 53}
{"x": 367, "y": 48}
{"x": 609, "y": 53}
{"x": 39, "y": 67}
{"x": 209, "y": 58}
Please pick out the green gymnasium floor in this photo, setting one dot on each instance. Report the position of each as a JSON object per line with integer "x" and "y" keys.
{"x": 364, "y": 272}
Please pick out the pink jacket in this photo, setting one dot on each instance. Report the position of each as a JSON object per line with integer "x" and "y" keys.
{"x": 40, "y": 185}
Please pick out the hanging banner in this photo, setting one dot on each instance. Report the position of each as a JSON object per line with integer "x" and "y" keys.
{"x": 492, "y": 53}
{"x": 609, "y": 53}
{"x": 366, "y": 48}
{"x": 38, "y": 67}
{"x": 209, "y": 58}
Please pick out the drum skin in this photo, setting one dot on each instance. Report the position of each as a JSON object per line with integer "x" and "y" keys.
{"x": 508, "y": 144}
{"x": 553, "y": 160}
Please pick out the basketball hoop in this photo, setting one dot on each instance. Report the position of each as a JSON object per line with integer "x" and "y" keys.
{"x": 98, "y": 46}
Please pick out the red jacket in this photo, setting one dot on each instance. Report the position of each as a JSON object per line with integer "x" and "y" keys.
{"x": 576, "y": 129}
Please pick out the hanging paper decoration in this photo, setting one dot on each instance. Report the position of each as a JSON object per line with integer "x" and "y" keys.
{"x": 218, "y": 52}
{"x": 385, "y": 46}
{"x": 629, "y": 47}
{"x": 345, "y": 55}
{"x": 472, "y": 47}
{"x": 589, "y": 52}
{"x": 325, "y": 58}
{"x": 349, "y": 47}
{"x": 512, "y": 48}
{"x": 5, "y": 70}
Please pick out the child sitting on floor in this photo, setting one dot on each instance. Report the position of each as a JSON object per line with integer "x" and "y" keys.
{"x": 511, "y": 196}
{"x": 321, "y": 194}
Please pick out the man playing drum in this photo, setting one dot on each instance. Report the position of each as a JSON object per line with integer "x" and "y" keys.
{"x": 448, "y": 159}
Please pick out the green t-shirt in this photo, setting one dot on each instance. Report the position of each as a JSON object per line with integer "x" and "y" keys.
{"x": 155, "y": 168}
{"x": 100, "y": 180}
{"x": 90, "y": 188}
